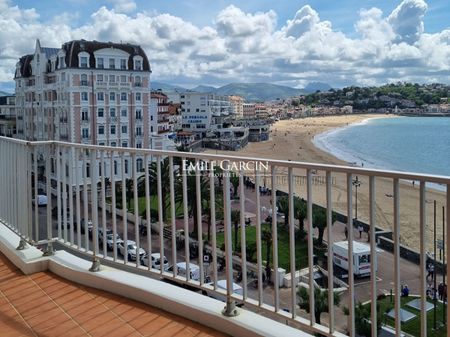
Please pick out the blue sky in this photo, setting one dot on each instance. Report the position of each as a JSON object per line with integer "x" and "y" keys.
{"x": 217, "y": 42}
{"x": 343, "y": 14}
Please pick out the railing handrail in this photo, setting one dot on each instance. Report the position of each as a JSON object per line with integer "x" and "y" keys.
{"x": 439, "y": 179}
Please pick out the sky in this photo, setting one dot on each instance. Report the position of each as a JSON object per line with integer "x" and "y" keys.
{"x": 285, "y": 42}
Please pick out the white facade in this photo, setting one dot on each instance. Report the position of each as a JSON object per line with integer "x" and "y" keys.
{"x": 202, "y": 112}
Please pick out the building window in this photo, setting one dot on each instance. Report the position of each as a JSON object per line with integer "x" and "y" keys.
{"x": 83, "y": 62}
{"x": 113, "y": 129}
{"x": 100, "y": 64}
{"x": 137, "y": 65}
{"x": 123, "y": 112}
{"x": 123, "y": 64}
{"x": 139, "y": 165}
{"x": 101, "y": 130}
{"x": 138, "y": 131}
{"x": 61, "y": 62}
{"x": 138, "y": 145}
{"x": 138, "y": 114}
{"x": 138, "y": 97}
{"x": 84, "y": 79}
{"x": 85, "y": 133}
{"x": 101, "y": 112}
{"x": 112, "y": 64}
{"x": 124, "y": 144}
{"x": 88, "y": 170}
{"x": 100, "y": 96}
{"x": 124, "y": 129}
{"x": 84, "y": 96}
{"x": 112, "y": 97}
{"x": 123, "y": 78}
{"x": 84, "y": 115}
{"x": 123, "y": 96}
{"x": 100, "y": 78}
{"x": 115, "y": 167}
{"x": 112, "y": 78}
{"x": 112, "y": 112}
{"x": 126, "y": 166}
{"x": 113, "y": 144}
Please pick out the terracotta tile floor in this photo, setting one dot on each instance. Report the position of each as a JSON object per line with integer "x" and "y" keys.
{"x": 44, "y": 304}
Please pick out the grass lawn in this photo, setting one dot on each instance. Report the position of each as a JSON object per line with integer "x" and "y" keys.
{"x": 153, "y": 206}
{"x": 301, "y": 249}
{"x": 413, "y": 326}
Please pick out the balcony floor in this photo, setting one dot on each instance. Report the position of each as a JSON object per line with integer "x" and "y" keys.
{"x": 44, "y": 304}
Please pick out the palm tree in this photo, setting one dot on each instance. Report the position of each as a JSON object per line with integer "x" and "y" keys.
{"x": 235, "y": 218}
{"x": 192, "y": 194}
{"x": 320, "y": 221}
{"x": 267, "y": 238}
{"x": 165, "y": 183}
{"x": 320, "y": 301}
{"x": 234, "y": 179}
{"x": 206, "y": 206}
{"x": 300, "y": 212}
{"x": 283, "y": 208}
{"x": 218, "y": 172}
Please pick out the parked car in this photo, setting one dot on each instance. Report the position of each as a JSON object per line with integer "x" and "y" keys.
{"x": 156, "y": 261}
{"x": 41, "y": 200}
{"x": 109, "y": 231}
{"x": 131, "y": 249}
{"x": 83, "y": 227}
{"x": 182, "y": 269}
{"x": 222, "y": 284}
{"x": 110, "y": 241}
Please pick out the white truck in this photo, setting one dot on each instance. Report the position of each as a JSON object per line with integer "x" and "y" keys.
{"x": 362, "y": 257}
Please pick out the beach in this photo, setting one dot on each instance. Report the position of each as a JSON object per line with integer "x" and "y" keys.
{"x": 293, "y": 140}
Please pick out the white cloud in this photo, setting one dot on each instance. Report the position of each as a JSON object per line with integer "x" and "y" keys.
{"x": 242, "y": 46}
{"x": 407, "y": 20}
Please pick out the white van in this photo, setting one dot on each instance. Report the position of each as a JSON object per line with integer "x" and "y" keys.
{"x": 362, "y": 257}
{"x": 222, "y": 284}
{"x": 193, "y": 268}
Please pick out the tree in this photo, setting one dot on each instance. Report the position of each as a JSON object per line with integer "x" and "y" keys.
{"x": 283, "y": 208}
{"x": 363, "y": 326}
{"x": 165, "y": 183}
{"x": 320, "y": 221}
{"x": 234, "y": 179}
{"x": 218, "y": 172}
{"x": 206, "y": 206}
{"x": 267, "y": 238}
{"x": 192, "y": 194}
{"x": 300, "y": 212}
{"x": 320, "y": 301}
{"x": 235, "y": 218}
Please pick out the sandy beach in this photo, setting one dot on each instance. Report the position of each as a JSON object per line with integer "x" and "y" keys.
{"x": 292, "y": 140}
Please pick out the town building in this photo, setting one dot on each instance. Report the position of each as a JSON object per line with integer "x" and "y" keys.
{"x": 86, "y": 92}
{"x": 7, "y": 116}
{"x": 203, "y": 112}
{"x": 237, "y": 103}
{"x": 248, "y": 110}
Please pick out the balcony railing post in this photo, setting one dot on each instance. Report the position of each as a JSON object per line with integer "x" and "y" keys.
{"x": 94, "y": 177}
{"x": 230, "y": 308}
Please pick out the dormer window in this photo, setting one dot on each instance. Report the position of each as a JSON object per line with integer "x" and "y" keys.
{"x": 137, "y": 65}
{"x": 100, "y": 64}
{"x": 61, "y": 62}
{"x": 123, "y": 64}
{"x": 112, "y": 64}
{"x": 83, "y": 62}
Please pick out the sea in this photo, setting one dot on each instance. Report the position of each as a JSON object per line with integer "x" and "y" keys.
{"x": 412, "y": 144}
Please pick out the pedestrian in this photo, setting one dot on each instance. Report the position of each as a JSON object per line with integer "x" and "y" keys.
{"x": 346, "y": 233}
{"x": 360, "y": 229}
{"x": 441, "y": 290}
{"x": 430, "y": 269}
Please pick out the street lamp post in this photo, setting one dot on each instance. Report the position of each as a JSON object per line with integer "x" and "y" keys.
{"x": 356, "y": 182}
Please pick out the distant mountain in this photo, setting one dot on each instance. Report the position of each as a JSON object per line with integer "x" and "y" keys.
{"x": 204, "y": 88}
{"x": 314, "y": 86}
{"x": 165, "y": 87}
{"x": 258, "y": 91}
{"x": 4, "y": 93}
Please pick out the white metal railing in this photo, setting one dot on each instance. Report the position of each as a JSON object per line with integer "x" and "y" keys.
{"x": 82, "y": 181}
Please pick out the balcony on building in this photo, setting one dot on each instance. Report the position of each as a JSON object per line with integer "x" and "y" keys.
{"x": 66, "y": 209}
